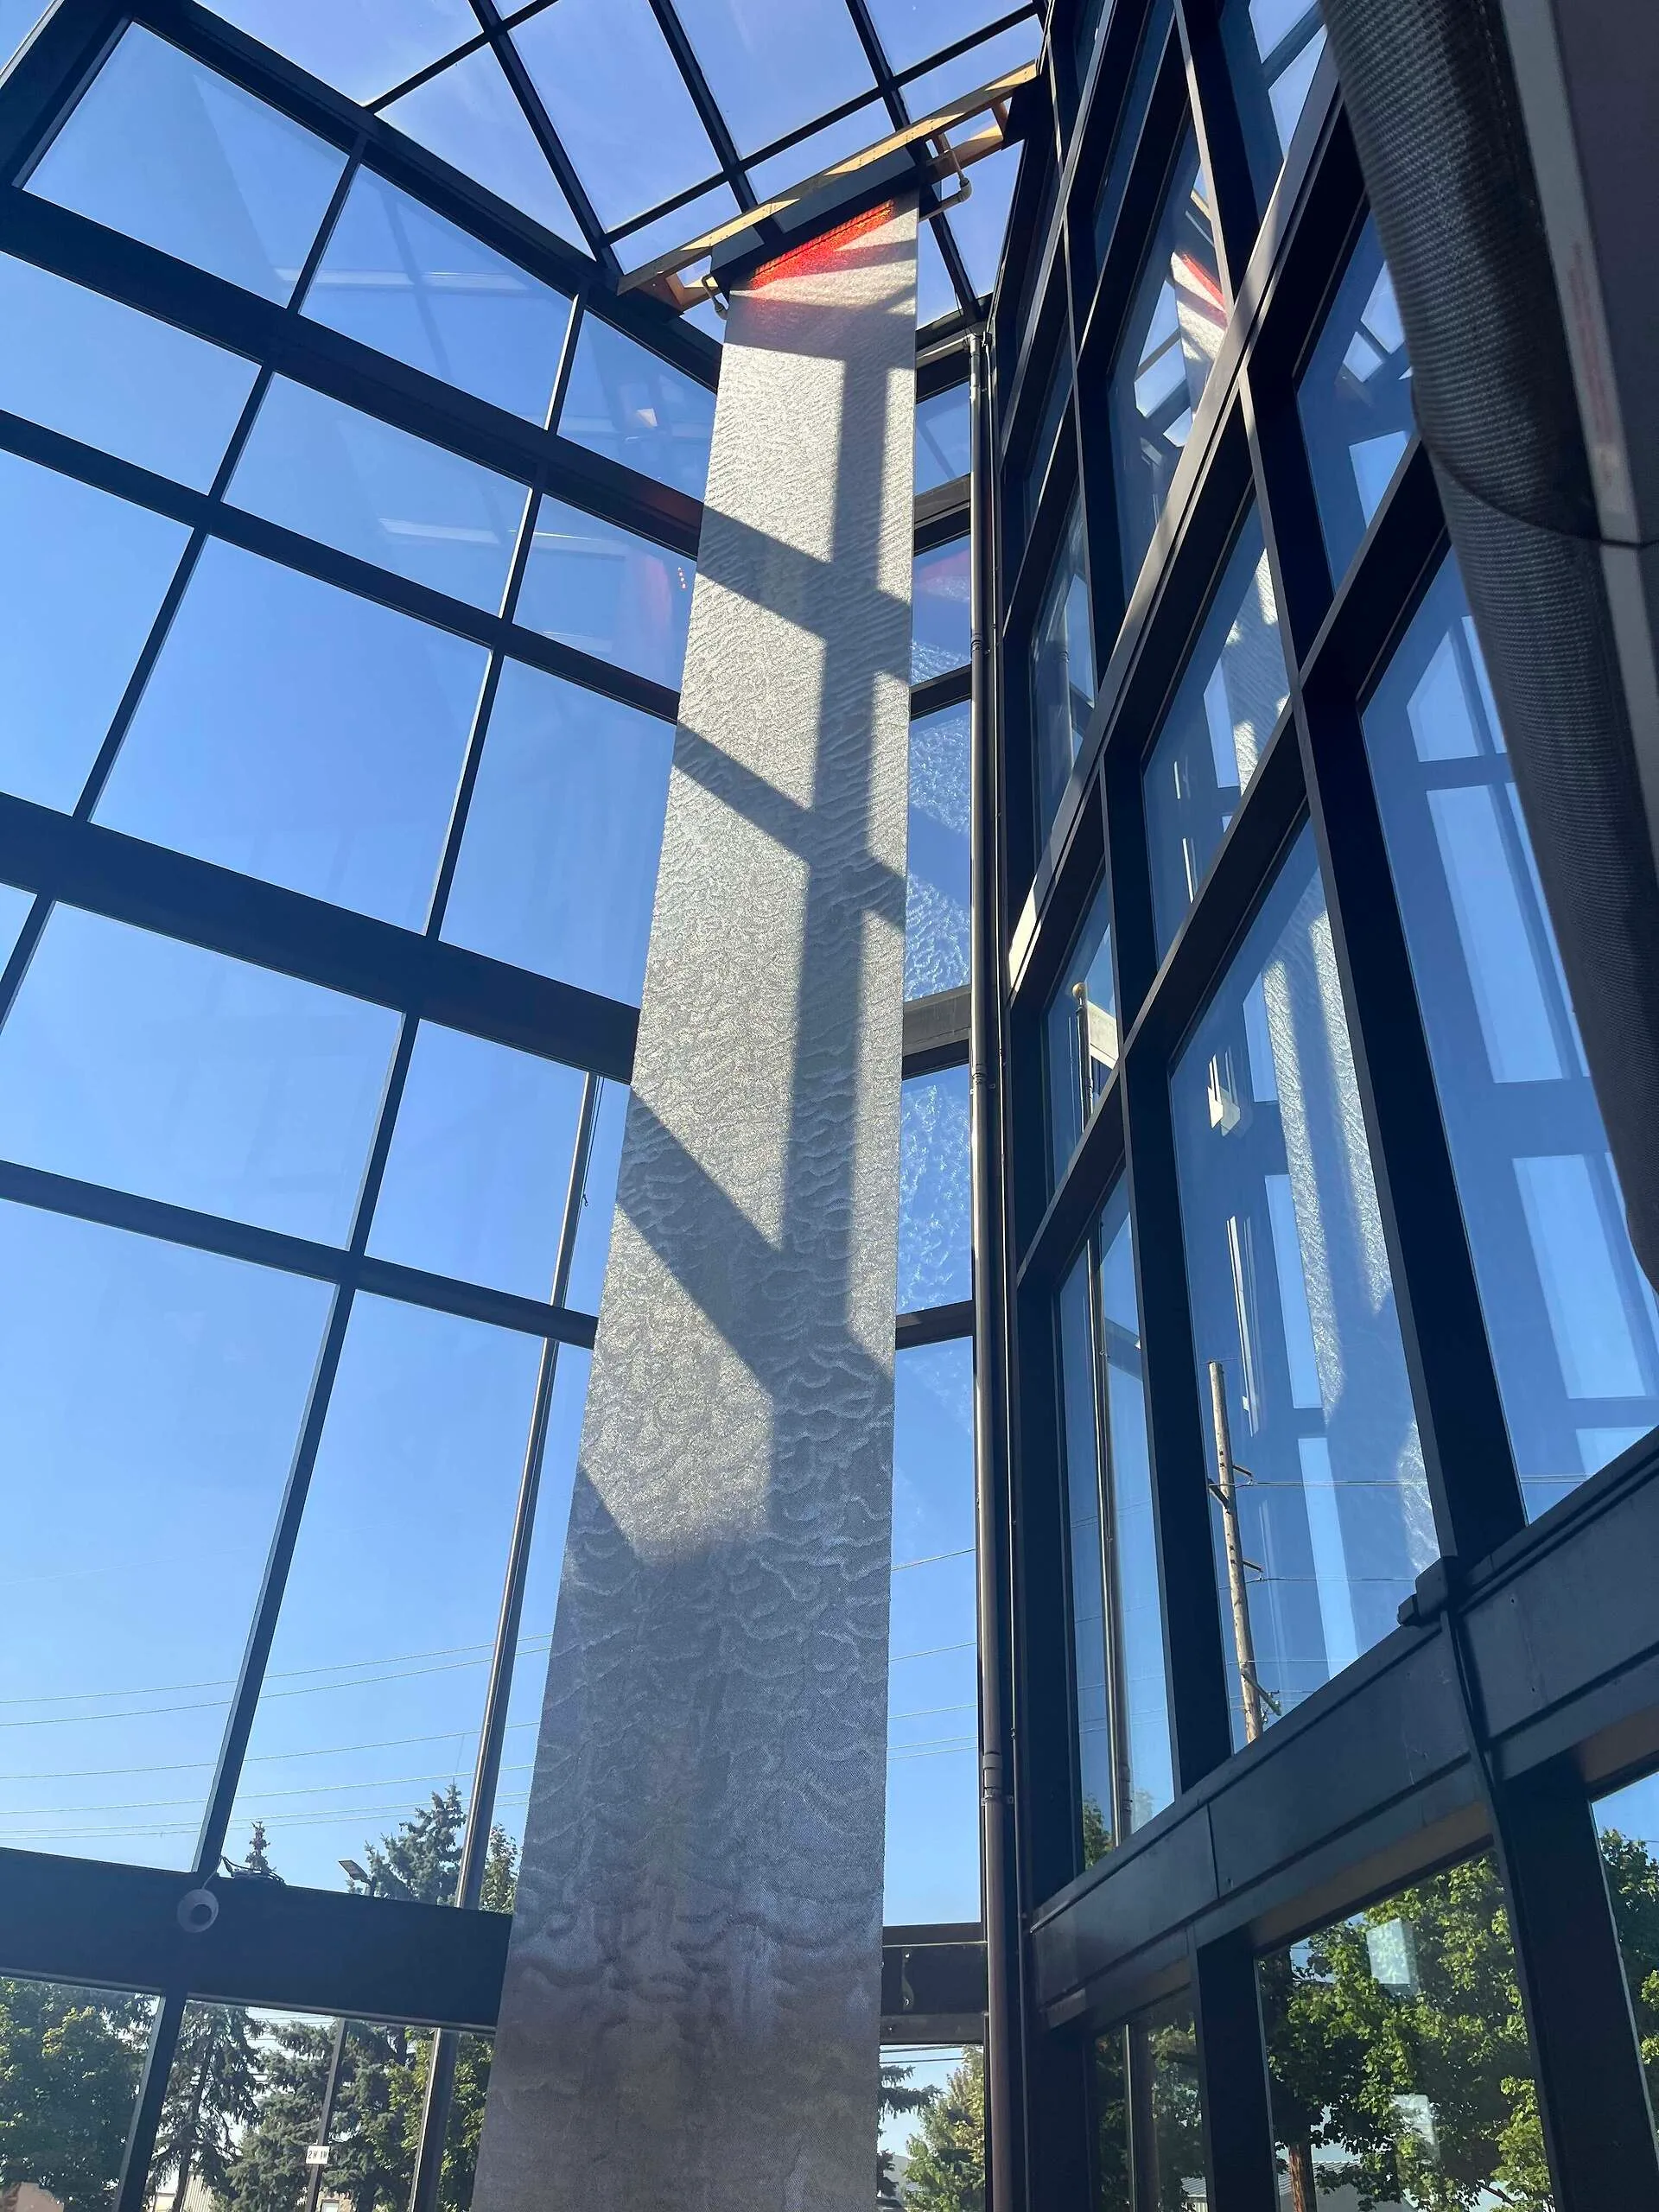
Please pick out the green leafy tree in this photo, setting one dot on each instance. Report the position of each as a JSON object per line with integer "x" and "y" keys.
{"x": 1097, "y": 1836}
{"x": 1415, "y": 2085}
{"x": 69, "y": 2067}
{"x": 947, "y": 2163}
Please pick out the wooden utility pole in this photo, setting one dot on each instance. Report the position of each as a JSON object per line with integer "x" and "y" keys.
{"x": 1225, "y": 1490}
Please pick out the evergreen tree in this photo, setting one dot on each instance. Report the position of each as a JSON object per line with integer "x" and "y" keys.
{"x": 898, "y": 2096}
{"x": 69, "y": 2066}
{"x": 422, "y": 1859}
{"x": 947, "y": 2163}
{"x": 212, "y": 2092}
{"x": 268, "y": 2173}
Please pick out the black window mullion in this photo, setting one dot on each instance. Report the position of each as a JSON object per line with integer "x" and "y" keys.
{"x": 536, "y": 114}
{"x": 703, "y": 100}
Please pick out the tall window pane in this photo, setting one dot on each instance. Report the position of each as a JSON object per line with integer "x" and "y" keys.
{"x": 1398, "y": 2056}
{"x": 1231, "y": 694}
{"x": 1273, "y": 49}
{"x": 1080, "y": 1033}
{"x": 1322, "y": 1522}
{"x": 941, "y": 619}
{"x": 1165, "y": 358}
{"x": 151, "y": 1400}
{"x": 370, "y": 1711}
{"x": 1149, "y": 2114}
{"x": 480, "y": 1166}
{"x": 1355, "y": 401}
{"x": 1062, "y": 672}
{"x": 136, "y": 1061}
{"x": 1572, "y": 1319}
{"x": 82, "y": 578}
{"x": 1123, "y": 1708}
{"x": 606, "y": 591}
{"x": 73, "y": 2059}
{"x": 359, "y": 484}
{"x": 558, "y": 861}
{"x": 300, "y": 734}
{"x": 1148, "y": 61}
{"x": 932, "y": 1854}
{"x": 934, "y": 1263}
{"x": 628, "y": 403}
{"x": 935, "y": 885}
{"x": 112, "y": 378}
{"x": 403, "y": 280}
{"x": 944, "y": 438}
{"x": 173, "y": 154}
{"x": 1627, "y": 1823}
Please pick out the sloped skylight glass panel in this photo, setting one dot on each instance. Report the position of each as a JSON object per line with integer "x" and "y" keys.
{"x": 82, "y": 576}
{"x": 406, "y": 282}
{"x": 362, "y": 47}
{"x": 18, "y": 19}
{"x": 618, "y": 103}
{"x": 980, "y": 224}
{"x": 173, "y": 154}
{"x": 300, "y": 734}
{"x": 936, "y": 295}
{"x": 866, "y": 126}
{"x": 980, "y": 65}
{"x": 593, "y": 585}
{"x": 706, "y": 212}
{"x": 558, "y": 861}
{"x": 625, "y": 401}
{"x": 357, "y": 484}
{"x": 772, "y": 68}
{"x": 466, "y": 115}
{"x": 912, "y": 29}
{"x": 114, "y": 378}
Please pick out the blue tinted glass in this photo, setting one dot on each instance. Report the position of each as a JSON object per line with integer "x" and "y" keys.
{"x": 772, "y": 69}
{"x": 480, "y": 1166}
{"x": 980, "y": 224}
{"x": 936, "y": 887}
{"x": 1294, "y": 1316}
{"x": 300, "y": 734}
{"x": 706, "y": 212}
{"x": 1062, "y": 673}
{"x": 1355, "y": 401}
{"x": 935, "y": 1265}
{"x": 1169, "y": 346}
{"x": 618, "y": 103}
{"x": 936, "y": 295}
{"x": 542, "y": 1580}
{"x": 153, "y": 1066}
{"x": 329, "y": 473}
{"x": 1230, "y": 696}
{"x": 18, "y": 19}
{"x": 866, "y": 126}
{"x": 170, "y": 153}
{"x": 941, "y": 632}
{"x": 1573, "y": 1326}
{"x": 402, "y": 279}
{"x": 13, "y": 913}
{"x": 558, "y": 861}
{"x": 599, "y": 1200}
{"x": 944, "y": 438}
{"x": 1154, "y": 44}
{"x": 1273, "y": 48}
{"x": 626, "y": 404}
{"x": 912, "y": 29}
{"x": 593, "y": 585}
{"x": 371, "y": 1708}
{"x": 82, "y": 576}
{"x": 362, "y": 48}
{"x": 932, "y": 1853}
{"x": 1080, "y": 1027}
{"x": 100, "y": 373}
{"x": 467, "y": 115}
{"x": 1122, "y": 1706}
{"x": 151, "y": 1399}
{"x": 981, "y": 65}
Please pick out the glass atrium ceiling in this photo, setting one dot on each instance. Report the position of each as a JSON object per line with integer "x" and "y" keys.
{"x": 628, "y": 126}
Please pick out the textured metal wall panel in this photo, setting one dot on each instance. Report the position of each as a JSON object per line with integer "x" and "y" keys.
{"x": 691, "y": 2008}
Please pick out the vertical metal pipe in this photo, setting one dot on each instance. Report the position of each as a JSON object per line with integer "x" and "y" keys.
{"x": 1226, "y": 1491}
{"x": 475, "y": 1844}
{"x": 996, "y": 1858}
